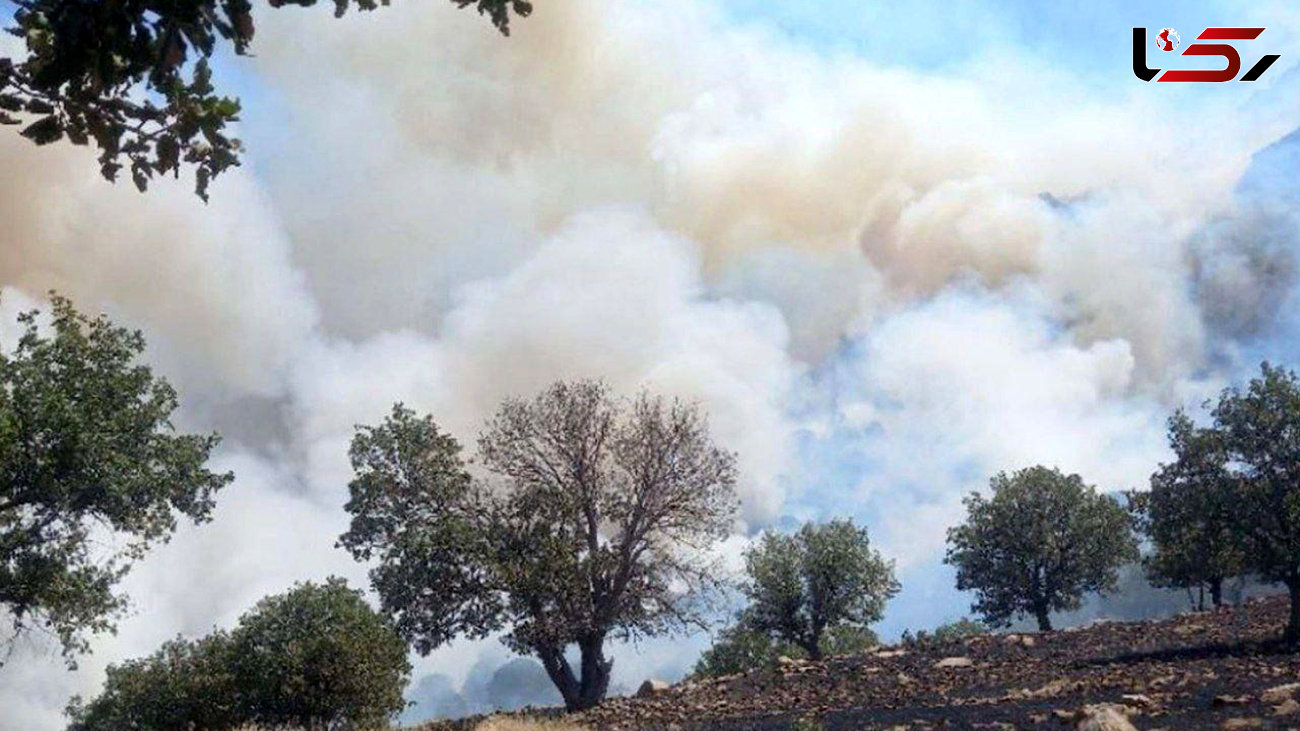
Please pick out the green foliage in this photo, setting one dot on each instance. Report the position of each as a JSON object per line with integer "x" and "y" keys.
{"x": 946, "y": 633}
{"x": 185, "y": 684}
{"x": 825, "y": 576}
{"x": 319, "y": 657}
{"x": 316, "y": 656}
{"x": 133, "y": 76}
{"x": 1190, "y": 514}
{"x": 1260, "y": 428}
{"x": 91, "y": 472}
{"x": 1038, "y": 544}
{"x": 738, "y": 649}
{"x": 590, "y": 523}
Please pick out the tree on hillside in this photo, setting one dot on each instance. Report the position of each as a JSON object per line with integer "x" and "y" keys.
{"x": 946, "y": 633}
{"x": 315, "y": 657}
{"x": 1261, "y": 432}
{"x": 91, "y": 471}
{"x": 1190, "y": 514}
{"x": 133, "y": 77}
{"x": 1038, "y": 544}
{"x": 591, "y": 524}
{"x": 825, "y": 576}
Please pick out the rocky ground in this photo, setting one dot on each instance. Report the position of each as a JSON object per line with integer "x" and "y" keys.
{"x": 1215, "y": 670}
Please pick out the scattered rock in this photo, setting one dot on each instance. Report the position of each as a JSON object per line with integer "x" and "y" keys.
{"x": 891, "y": 653}
{"x": 1137, "y": 700}
{"x": 1104, "y": 717}
{"x": 1280, "y": 693}
{"x": 1229, "y": 700}
{"x": 1243, "y": 723}
{"x": 955, "y": 662}
{"x": 1288, "y": 707}
{"x": 652, "y": 687}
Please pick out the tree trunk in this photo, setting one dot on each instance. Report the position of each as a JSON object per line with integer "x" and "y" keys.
{"x": 814, "y": 649}
{"x": 582, "y": 691}
{"x": 595, "y": 672}
{"x": 1216, "y": 592}
{"x": 1044, "y": 621}
{"x": 1292, "y": 635}
{"x": 558, "y": 670}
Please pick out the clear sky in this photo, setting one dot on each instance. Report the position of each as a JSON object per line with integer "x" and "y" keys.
{"x": 892, "y": 248}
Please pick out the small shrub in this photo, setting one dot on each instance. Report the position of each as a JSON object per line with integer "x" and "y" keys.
{"x": 946, "y": 633}
{"x": 738, "y": 649}
{"x": 314, "y": 657}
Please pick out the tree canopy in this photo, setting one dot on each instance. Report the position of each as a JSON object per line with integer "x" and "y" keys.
{"x": 133, "y": 77}
{"x": 1190, "y": 513}
{"x": 592, "y": 521}
{"x": 824, "y": 576}
{"x": 92, "y": 473}
{"x": 1038, "y": 544}
{"x": 314, "y": 657}
{"x": 1260, "y": 426}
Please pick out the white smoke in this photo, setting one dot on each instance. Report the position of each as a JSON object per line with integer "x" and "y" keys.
{"x": 823, "y": 250}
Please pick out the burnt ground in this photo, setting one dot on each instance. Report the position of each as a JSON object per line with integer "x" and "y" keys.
{"x": 1194, "y": 671}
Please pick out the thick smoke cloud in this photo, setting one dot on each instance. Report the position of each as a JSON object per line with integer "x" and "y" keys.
{"x": 883, "y": 284}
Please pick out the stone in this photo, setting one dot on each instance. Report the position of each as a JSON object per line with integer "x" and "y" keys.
{"x": 1229, "y": 700}
{"x": 652, "y": 687}
{"x": 1288, "y": 707}
{"x": 1137, "y": 700}
{"x": 1280, "y": 693}
{"x": 1104, "y": 717}
{"x": 955, "y": 662}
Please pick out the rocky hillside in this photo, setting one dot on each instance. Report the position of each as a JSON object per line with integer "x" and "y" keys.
{"x": 1196, "y": 671}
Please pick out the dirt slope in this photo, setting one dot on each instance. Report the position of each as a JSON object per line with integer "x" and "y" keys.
{"x": 1198, "y": 671}
{"x": 1194, "y": 671}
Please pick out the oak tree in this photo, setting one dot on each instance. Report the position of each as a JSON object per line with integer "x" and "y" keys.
{"x": 1037, "y": 544}
{"x": 92, "y": 472}
{"x": 823, "y": 577}
{"x": 1190, "y": 514}
{"x": 591, "y": 521}
{"x": 1260, "y": 426}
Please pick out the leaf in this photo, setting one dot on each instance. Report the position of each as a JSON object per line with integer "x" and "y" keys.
{"x": 44, "y": 131}
{"x": 168, "y": 153}
{"x": 76, "y": 134}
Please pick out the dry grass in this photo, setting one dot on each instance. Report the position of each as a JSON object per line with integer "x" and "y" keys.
{"x": 508, "y": 723}
{"x": 502, "y": 722}
{"x": 491, "y": 723}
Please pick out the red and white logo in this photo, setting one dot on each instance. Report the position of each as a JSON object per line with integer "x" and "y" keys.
{"x": 1168, "y": 40}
